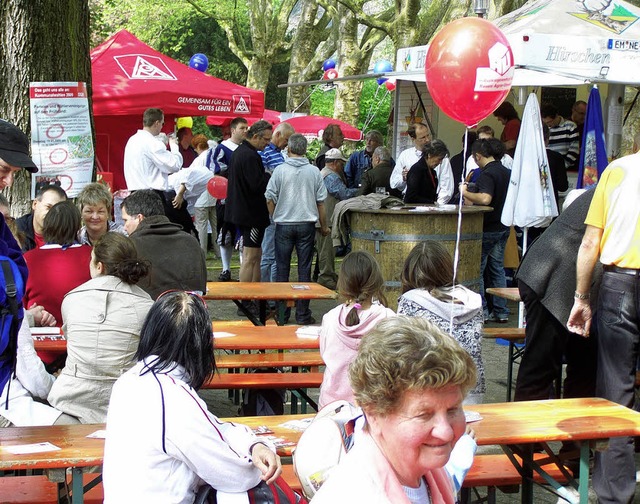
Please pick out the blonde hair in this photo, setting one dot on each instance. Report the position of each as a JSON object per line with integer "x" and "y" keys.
{"x": 403, "y": 354}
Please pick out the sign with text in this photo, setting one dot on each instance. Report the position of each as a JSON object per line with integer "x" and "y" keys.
{"x": 61, "y": 143}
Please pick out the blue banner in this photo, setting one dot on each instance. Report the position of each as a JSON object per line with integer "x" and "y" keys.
{"x": 593, "y": 154}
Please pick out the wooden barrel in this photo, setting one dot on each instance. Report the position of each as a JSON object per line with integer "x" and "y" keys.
{"x": 391, "y": 234}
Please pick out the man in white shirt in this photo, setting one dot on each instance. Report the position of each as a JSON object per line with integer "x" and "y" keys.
{"x": 419, "y": 132}
{"x": 147, "y": 162}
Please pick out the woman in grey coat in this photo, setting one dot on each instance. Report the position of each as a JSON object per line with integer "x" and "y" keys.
{"x": 102, "y": 319}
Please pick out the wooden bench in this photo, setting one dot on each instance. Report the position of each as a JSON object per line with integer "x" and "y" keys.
{"x": 491, "y": 471}
{"x": 272, "y": 359}
{"x": 39, "y": 490}
{"x": 497, "y": 471}
{"x": 514, "y": 336}
{"x": 296, "y": 382}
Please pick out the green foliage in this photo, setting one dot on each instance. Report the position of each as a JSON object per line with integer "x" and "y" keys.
{"x": 375, "y": 105}
{"x": 322, "y": 100}
{"x": 175, "y": 29}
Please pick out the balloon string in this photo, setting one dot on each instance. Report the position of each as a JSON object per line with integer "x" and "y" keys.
{"x": 456, "y": 253}
{"x": 303, "y": 101}
{"x": 370, "y": 120}
{"x": 369, "y": 116}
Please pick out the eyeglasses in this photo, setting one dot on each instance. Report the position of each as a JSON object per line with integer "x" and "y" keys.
{"x": 196, "y": 294}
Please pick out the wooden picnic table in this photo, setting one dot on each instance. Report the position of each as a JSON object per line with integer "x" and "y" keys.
{"x": 288, "y": 292}
{"x": 231, "y": 336}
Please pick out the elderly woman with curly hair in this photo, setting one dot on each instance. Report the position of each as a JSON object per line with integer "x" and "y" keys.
{"x": 410, "y": 379}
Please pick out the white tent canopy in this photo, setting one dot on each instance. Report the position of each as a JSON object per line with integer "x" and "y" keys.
{"x": 590, "y": 40}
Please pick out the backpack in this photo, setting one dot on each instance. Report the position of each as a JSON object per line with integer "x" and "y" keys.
{"x": 278, "y": 492}
{"x": 323, "y": 444}
{"x": 262, "y": 402}
{"x": 11, "y": 314}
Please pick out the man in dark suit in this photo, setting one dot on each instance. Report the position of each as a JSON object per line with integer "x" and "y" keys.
{"x": 379, "y": 174}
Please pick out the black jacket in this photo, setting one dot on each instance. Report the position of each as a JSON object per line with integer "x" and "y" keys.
{"x": 246, "y": 205}
{"x": 25, "y": 226}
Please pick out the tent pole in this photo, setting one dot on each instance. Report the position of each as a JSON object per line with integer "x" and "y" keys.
{"x": 614, "y": 111}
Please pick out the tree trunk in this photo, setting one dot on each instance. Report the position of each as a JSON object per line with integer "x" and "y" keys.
{"x": 47, "y": 40}
{"x": 354, "y": 58}
{"x": 258, "y": 73}
{"x": 312, "y": 44}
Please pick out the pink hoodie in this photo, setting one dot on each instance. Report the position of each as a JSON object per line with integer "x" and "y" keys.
{"x": 339, "y": 344}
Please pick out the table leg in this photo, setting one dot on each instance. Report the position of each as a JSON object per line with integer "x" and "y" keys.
{"x": 583, "y": 484}
{"x": 255, "y": 321}
{"x": 262, "y": 310}
{"x": 77, "y": 486}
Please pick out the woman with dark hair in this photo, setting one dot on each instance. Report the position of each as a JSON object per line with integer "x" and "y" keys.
{"x": 161, "y": 440}
{"x": 61, "y": 264}
{"x": 509, "y": 118}
{"x": 422, "y": 180}
{"x": 429, "y": 291}
{"x": 102, "y": 321}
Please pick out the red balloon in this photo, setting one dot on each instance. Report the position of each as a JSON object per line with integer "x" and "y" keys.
{"x": 217, "y": 187}
{"x": 330, "y": 74}
{"x": 469, "y": 69}
{"x": 390, "y": 84}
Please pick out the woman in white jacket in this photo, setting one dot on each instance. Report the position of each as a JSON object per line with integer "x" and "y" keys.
{"x": 428, "y": 291}
{"x": 162, "y": 443}
{"x": 30, "y": 381}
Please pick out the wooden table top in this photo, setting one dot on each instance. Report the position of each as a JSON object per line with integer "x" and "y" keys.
{"x": 502, "y": 423}
{"x": 245, "y": 337}
{"x": 76, "y": 450}
{"x": 279, "y": 291}
{"x": 274, "y": 423}
{"x": 262, "y": 337}
{"x": 510, "y": 293}
{"x": 553, "y": 420}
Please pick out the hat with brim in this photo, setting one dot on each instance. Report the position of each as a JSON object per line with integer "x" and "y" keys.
{"x": 14, "y": 147}
{"x": 333, "y": 155}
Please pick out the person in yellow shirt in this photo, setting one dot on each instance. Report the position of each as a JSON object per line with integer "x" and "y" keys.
{"x": 613, "y": 235}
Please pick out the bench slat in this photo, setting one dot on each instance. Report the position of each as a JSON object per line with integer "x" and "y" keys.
{"x": 497, "y": 470}
{"x": 264, "y": 380}
{"x": 272, "y": 359}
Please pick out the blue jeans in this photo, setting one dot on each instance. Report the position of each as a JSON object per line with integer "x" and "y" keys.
{"x": 300, "y": 236}
{"x": 268, "y": 259}
{"x": 492, "y": 259}
{"x": 618, "y": 339}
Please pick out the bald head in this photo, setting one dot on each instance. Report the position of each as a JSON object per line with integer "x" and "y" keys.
{"x": 281, "y": 135}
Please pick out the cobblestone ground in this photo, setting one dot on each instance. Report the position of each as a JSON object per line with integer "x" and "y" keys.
{"x": 495, "y": 360}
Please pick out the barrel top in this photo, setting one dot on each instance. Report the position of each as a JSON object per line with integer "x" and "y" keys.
{"x": 426, "y": 210}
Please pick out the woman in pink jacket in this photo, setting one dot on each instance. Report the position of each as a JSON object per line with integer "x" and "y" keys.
{"x": 360, "y": 283}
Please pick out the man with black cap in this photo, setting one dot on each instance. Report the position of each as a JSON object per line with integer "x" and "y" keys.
{"x": 14, "y": 155}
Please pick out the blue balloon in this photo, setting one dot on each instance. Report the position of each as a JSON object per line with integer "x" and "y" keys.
{"x": 328, "y": 64}
{"x": 382, "y": 66}
{"x": 199, "y": 62}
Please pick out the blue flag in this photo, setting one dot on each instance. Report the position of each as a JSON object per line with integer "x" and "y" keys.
{"x": 593, "y": 154}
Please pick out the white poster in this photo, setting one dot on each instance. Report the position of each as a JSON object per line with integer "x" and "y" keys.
{"x": 61, "y": 143}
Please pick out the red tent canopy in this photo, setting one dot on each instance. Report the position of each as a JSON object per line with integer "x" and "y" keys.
{"x": 273, "y": 116}
{"x": 313, "y": 125}
{"x": 130, "y": 77}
